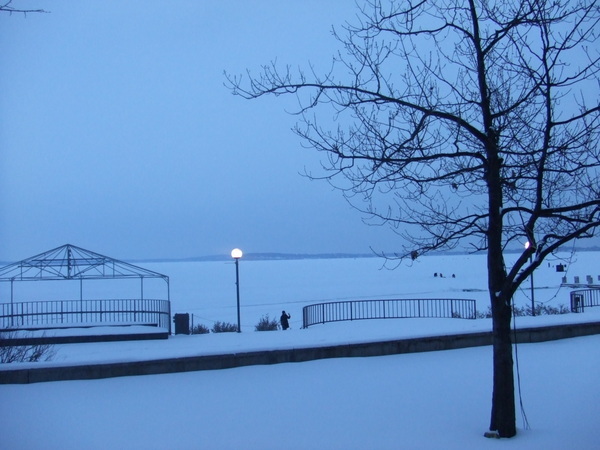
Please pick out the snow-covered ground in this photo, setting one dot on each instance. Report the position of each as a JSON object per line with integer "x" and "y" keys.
{"x": 427, "y": 400}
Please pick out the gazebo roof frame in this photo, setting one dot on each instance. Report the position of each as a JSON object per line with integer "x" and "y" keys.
{"x": 69, "y": 262}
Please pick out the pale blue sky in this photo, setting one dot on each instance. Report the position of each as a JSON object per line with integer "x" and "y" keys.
{"x": 118, "y": 135}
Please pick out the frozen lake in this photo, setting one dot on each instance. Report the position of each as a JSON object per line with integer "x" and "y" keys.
{"x": 207, "y": 291}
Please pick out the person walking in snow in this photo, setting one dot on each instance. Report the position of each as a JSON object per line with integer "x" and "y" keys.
{"x": 284, "y": 320}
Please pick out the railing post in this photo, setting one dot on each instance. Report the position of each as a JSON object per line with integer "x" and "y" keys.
{"x": 12, "y": 305}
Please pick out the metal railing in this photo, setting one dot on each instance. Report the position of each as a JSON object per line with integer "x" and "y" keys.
{"x": 70, "y": 313}
{"x": 583, "y": 298}
{"x": 388, "y": 309}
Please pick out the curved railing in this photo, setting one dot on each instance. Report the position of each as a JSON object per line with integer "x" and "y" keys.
{"x": 582, "y": 298}
{"x": 388, "y": 309}
{"x": 70, "y": 313}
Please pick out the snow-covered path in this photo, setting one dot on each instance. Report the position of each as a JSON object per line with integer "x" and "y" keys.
{"x": 413, "y": 401}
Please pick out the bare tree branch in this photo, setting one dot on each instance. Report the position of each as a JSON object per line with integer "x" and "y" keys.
{"x": 6, "y": 7}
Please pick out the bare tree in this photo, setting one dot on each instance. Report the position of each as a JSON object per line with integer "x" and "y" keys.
{"x": 462, "y": 122}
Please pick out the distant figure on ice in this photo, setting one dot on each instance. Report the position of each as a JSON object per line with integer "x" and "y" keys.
{"x": 284, "y": 320}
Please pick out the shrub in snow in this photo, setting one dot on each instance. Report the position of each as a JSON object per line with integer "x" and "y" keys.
{"x": 484, "y": 314}
{"x": 199, "y": 329}
{"x": 224, "y": 327}
{"x": 267, "y": 324}
{"x": 548, "y": 310}
{"x": 520, "y": 311}
{"x": 23, "y": 353}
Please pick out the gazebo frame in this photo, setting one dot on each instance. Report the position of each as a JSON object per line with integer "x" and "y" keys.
{"x": 70, "y": 262}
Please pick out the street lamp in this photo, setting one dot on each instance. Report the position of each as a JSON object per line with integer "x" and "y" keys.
{"x": 527, "y": 245}
{"x": 236, "y": 254}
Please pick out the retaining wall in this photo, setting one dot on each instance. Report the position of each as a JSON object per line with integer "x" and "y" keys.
{"x": 226, "y": 361}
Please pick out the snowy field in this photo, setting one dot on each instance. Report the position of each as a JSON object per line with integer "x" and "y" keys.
{"x": 428, "y": 400}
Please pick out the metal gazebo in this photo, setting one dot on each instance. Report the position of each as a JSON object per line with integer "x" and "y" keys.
{"x": 76, "y": 264}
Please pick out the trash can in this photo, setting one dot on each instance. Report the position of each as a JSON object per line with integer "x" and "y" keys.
{"x": 182, "y": 323}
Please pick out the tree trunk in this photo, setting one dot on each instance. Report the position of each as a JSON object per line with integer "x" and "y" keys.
{"x": 503, "y": 397}
{"x": 503, "y": 417}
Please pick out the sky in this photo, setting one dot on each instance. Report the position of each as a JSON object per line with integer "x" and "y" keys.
{"x": 118, "y": 135}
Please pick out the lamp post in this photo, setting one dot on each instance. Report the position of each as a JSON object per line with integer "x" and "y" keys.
{"x": 236, "y": 254}
{"x": 527, "y": 245}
